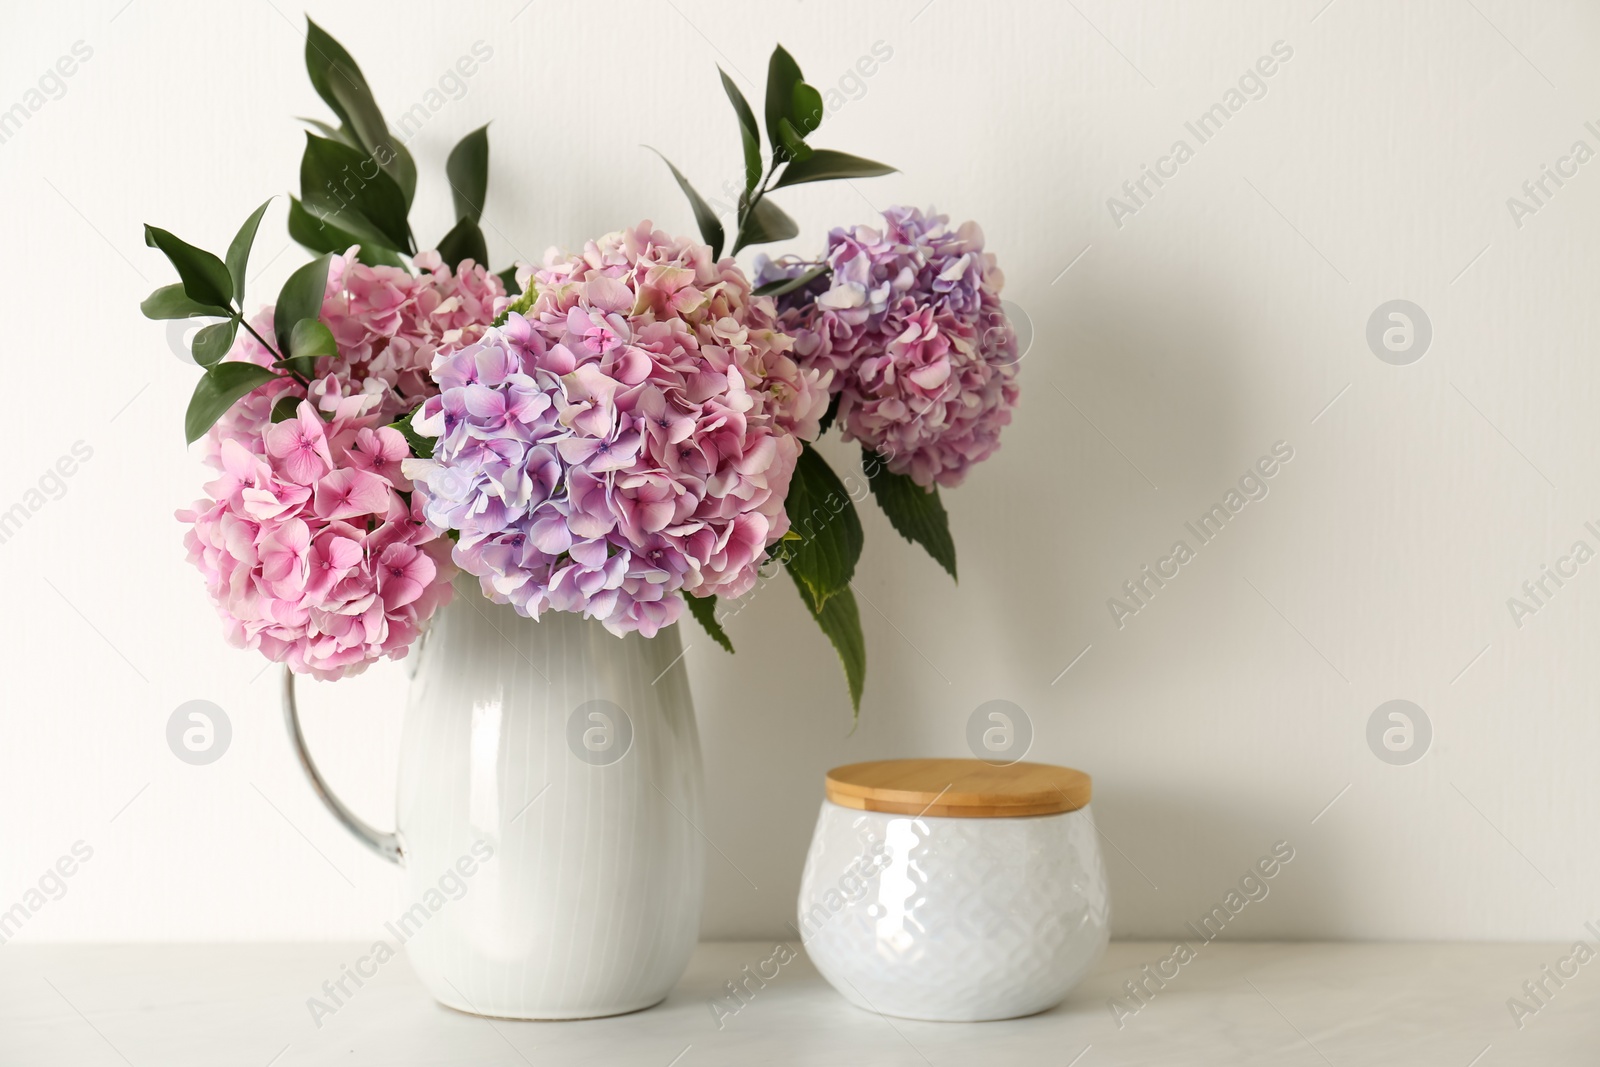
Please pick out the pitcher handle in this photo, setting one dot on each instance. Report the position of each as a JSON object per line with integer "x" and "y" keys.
{"x": 383, "y": 842}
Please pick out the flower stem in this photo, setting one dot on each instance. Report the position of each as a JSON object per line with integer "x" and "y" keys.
{"x": 251, "y": 331}
{"x": 280, "y": 359}
{"x": 755, "y": 198}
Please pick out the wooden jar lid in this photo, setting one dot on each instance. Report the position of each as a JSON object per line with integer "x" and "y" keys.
{"x": 958, "y": 788}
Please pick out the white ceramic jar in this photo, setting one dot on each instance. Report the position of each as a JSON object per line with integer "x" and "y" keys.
{"x": 954, "y": 890}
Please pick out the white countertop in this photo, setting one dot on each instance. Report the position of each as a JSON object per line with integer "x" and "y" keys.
{"x": 1234, "y": 1004}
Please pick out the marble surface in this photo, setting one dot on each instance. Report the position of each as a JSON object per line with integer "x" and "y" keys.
{"x": 1231, "y": 1004}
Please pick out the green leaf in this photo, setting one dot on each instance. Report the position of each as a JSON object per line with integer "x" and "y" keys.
{"x": 824, "y": 164}
{"x": 464, "y": 241}
{"x": 318, "y": 234}
{"x": 840, "y": 621}
{"x": 326, "y": 57}
{"x": 205, "y": 277}
{"x": 341, "y": 183}
{"x": 829, "y": 415}
{"x": 341, "y": 134}
{"x": 820, "y": 511}
{"x": 508, "y": 278}
{"x": 749, "y": 134}
{"x": 783, "y": 75}
{"x": 805, "y": 109}
{"x": 704, "y": 217}
{"x": 171, "y": 302}
{"x": 468, "y": 171}
{"x": 783, "y": 286}
{"x": 309, "y": 340}
{"x": 421, "y": 447}
{"x": 286, "y": 407}
{"x": 216, "y": 392}
{"x": 766, "y": 222}
{"x": 338, "y": 80}
{"x": 300, "y": 298}
{"x": 794, "y": 142}
{"x": 704, "y": 610}
{"x": 917, "y": 514}
{"x": 239, "y": 250}
{"x": 520, "y": 305}
{"x": 212, "y": 342}
{"x": 321, "y": 235}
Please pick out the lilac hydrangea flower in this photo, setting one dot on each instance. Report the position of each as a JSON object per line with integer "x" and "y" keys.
{"x": 627, "y": 440}
{"x": 910, "y": 324}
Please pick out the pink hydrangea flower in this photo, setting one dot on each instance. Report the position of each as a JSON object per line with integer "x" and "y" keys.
{"x": 388, "y": 325}
{"x": 308, "y": 549}
{"x": 910, "y": 323}
{"x": 629, "y": 440}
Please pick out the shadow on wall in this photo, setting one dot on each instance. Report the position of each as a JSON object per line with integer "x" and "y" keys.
{"x": 1095, "y": 483}
{"x": 1199, "y": 868}
{"x": 1175, "y": 394}
{"x": 1046, "y": 531}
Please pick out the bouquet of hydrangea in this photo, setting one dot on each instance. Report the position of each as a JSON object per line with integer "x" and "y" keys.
{"x": 624, "y": 431}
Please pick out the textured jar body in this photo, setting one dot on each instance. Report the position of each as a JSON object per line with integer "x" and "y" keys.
{"x": 549, "y": 787}
{"x": 953, "y": 919}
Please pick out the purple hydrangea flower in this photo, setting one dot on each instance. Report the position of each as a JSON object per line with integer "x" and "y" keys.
{"x": 909, "y": 323}
{"x": 627, "y": 440}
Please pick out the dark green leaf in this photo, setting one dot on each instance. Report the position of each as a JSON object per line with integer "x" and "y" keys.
{"x": 318, "y": 234}
{"x": 239, "y": 250}
{"x": 783, "y": 74}
{"x": 766, "y": 222}
{"x": 205, "y": 277}
{"x": 421, "y": 447}
{"x": 326, "y": 57}
{"x": 170, "y": 302}
{"x": 749, "y": 134}
{"x": 829, "y": 538}
{"x": 216, "y": 392}
{"x": 464, "y": 241}
{"x": 824, "y": 164}
{"x": 829, "y": 415}
{"x": 508, "y": 277}
{"x": 212, "y": 342}
{"x": 338, "y": 80}
{"x": 805, "y": 109}
{"x": 794, "y": 142}
{"x": 704, "y": 610}
{"x": 468, "y": 171}
{"x": 341, "y": 134}
{"x": 342, "y": 184}
{"x": 300, "y": 298}
{"x": 917, "y": 514}
{"x": 839, "y": 619}
{"x": 783, "y": 286}
{"x": 704, "y": 217}
{"x": 286, "y": 407}
{"x": 321, "y": 235}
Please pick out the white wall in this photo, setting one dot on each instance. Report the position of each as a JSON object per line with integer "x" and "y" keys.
{"x": 1222, "y": 317}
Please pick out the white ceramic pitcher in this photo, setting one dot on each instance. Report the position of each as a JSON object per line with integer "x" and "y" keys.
{"x": 549, "y": 799}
